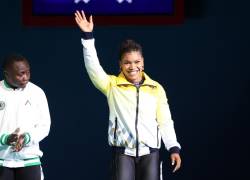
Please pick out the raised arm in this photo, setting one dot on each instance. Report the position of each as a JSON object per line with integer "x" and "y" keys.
{"x": 96, "y": 73}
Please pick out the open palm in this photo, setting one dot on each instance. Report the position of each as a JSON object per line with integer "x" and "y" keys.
{"x": 83, "y": 23}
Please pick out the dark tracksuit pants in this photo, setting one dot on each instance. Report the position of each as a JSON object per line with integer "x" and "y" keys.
{"x": 23, "y": 173}
{"x": 126, "y": 167}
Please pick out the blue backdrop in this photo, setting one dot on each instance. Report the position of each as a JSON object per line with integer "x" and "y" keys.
{"x": 106, "y": 7}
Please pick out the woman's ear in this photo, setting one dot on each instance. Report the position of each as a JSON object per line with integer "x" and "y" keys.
{"x": 5, "y": 74}
{"x": 142, "y": 67}
{"x": 120, "y": 65}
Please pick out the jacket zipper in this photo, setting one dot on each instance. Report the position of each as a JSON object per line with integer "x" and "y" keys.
{"x": 157, "y": 136}
{"x": 136, "y": 120}
{"x": 115, "y": 129}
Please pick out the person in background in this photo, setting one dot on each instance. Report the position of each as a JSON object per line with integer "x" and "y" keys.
{"x": 139, "y": 113}
{"x": 24, "y": 121}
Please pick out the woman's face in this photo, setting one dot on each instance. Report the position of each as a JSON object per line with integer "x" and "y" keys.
{"x": 132, "y": 66}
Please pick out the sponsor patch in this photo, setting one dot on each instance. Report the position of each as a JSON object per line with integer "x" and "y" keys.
{"x": 2, "y": 105}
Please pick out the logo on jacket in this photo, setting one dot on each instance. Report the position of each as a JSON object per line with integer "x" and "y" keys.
{"x": 27, "y": 103}
{"x": 2, "y": 105}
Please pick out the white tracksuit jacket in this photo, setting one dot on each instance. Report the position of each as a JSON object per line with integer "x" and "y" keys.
{"x": 138, "y": 117}
{"x": 27, "y": 109}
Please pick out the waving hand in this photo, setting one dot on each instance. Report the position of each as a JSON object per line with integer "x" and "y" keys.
{"x": 83, "y": 23}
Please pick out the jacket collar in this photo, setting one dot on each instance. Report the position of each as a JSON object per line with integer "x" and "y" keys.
{"x": 7, "y": 86}
{"x": 121, "y": 80}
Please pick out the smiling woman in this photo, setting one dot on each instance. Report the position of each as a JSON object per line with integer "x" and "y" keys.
{"x": 108, "y": 12}
{"x": 139, "y": 112}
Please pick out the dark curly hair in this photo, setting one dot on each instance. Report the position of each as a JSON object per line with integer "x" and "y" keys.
{"x": 129, "y": 45}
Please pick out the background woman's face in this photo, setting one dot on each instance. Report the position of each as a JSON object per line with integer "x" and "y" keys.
{"x": 18, "y": 74}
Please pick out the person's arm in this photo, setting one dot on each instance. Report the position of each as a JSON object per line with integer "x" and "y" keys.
{"x": 166, "y": 126}
{"x": 42, "y": 126}
{"x": 96, "y": 73}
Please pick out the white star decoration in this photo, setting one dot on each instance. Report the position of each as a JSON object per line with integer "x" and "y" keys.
{"x": 120, "y": 1}
{"x": 86, "y": 1}
{"x": 77, "y": 1}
